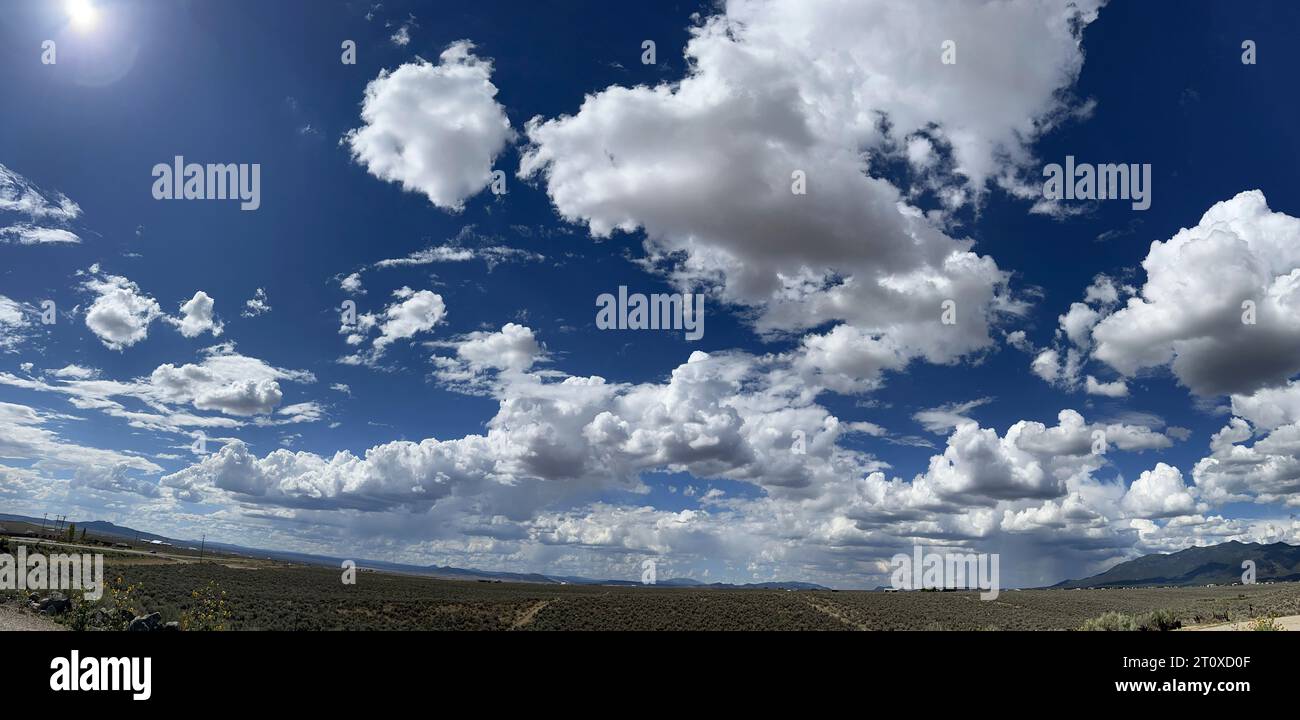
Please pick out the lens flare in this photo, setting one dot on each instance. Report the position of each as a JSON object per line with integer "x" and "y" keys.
{"x": 82, "y": 14}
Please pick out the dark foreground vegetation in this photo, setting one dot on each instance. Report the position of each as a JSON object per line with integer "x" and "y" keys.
{"x": 280, "y": 597}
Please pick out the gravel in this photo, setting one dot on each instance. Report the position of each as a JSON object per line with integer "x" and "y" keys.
{"x": 14, "y": 619}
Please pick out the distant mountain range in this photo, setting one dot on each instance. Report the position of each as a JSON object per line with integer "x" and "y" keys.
{"x": 94, "y": 527}
{"x": 1212, "y": 565}
{"x": 104, "y": 528}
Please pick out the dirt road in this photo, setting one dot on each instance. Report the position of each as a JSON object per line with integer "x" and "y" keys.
{"x": 527, "y": 618}
{"x": 1289, "y": 622}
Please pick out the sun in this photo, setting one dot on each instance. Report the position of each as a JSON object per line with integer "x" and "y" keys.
{"x": 82, "y": 13}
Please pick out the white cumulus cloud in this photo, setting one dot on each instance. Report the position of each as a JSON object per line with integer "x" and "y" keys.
{"x": 196, "y": 317}
{"x": 121, "y": 313}
{"x": 436, "y": 129}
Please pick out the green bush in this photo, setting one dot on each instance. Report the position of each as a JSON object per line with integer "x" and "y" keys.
{"x": 1111, "y": 621}
{"x": 1156, "y": 620}
{"x": 1159, "y": 620}
{"x": 78, "y": 618}
{"x": 210, "y": 610}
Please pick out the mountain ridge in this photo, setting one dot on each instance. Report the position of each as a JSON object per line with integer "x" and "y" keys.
{"x": 447, "y": 572}
{"x": 1219, "y": 564}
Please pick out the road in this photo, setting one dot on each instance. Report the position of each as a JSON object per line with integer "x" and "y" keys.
{"x": 1289, "y": 622}
{"x": 30, "y": 543}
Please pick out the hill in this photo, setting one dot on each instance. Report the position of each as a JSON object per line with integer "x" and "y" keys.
{"x": 1210, "y": 565}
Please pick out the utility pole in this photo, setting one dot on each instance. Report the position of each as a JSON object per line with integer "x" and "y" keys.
{"x": 43, "y": 519}
{"x": 203, "y": 544}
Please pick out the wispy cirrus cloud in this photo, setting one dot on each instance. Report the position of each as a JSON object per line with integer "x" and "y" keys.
{"x": 46, "y": 215}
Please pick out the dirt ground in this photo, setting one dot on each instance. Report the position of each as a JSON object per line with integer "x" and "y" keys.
{"x": 1290, "y": 622}
{"x": 12, "y": 618}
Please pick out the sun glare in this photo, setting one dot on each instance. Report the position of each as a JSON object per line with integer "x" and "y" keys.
{"x": 82, "y": 13}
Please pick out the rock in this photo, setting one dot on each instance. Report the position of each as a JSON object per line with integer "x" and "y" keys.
{"x": 146, "y": 623}
{"x": 105, "y": 619}
{"x": 33, "y": 598}
{"x": 54, "y": 606}
{"x": 172, "y": 626}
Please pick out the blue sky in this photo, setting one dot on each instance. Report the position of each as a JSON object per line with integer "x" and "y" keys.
{"x": 477, "y": 416}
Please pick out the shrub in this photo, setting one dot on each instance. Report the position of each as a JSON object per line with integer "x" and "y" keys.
{"x": 82, "y": 611}
{"x": 1111, "y": 621}
{"x": 124, "y": 603}
{"x": 1265, "y": 624}
{"x": 1159, "y": 620}
{"x": 210, "y": 611}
